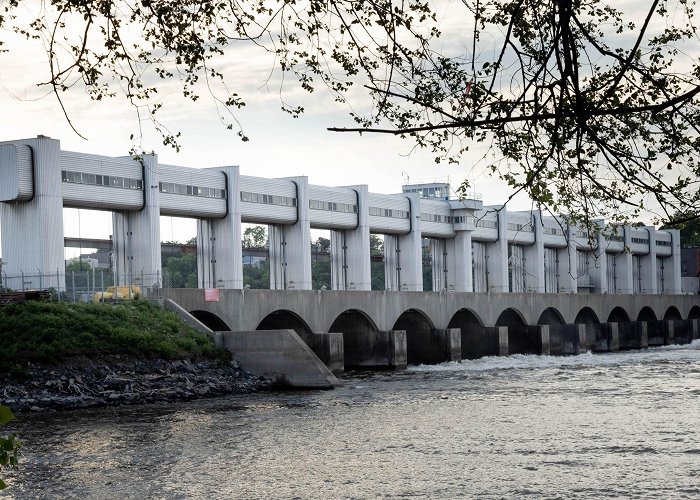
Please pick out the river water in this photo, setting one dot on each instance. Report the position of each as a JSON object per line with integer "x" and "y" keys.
{"x": 623, "y": 425}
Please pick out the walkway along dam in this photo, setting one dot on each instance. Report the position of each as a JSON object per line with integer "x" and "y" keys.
{"x": 390, "y": 329}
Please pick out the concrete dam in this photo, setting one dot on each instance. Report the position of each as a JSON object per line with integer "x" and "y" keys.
{"x": 356, "y": 330}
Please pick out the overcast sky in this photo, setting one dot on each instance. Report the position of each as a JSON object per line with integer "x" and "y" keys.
{"x": 279, "y": 145}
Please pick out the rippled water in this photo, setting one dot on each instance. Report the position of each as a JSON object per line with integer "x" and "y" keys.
{"x": 590, "y": 426}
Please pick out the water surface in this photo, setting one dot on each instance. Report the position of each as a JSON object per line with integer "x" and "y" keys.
{"x": 604, "y": 426}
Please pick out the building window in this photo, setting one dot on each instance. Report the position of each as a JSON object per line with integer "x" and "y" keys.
{"x": 332, "y": 207}
{"x": 268, "y": 199}
{"x": 187, "y": 190}
{"x": 101, "y": 180}
{"x": 446, "y": 219}
{"x": 388, "y": 212}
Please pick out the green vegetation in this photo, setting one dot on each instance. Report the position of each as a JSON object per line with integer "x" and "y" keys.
{"x": 50, "y": 332}
{"x": 689, "y": 226}
{"x": 9, "y": 445}
{"x": 180, "y": 271}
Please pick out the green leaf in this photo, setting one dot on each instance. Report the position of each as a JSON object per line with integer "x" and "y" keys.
{"x": 5, "y": 415}
{"x": 2, "y": 484}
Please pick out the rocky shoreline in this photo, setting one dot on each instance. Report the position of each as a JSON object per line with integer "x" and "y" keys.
{"x": 84, "y": 383}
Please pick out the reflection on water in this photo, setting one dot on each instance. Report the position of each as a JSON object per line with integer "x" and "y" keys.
{"x": 615, "y": 425}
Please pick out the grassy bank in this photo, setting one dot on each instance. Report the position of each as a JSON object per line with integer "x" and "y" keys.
{"x": 50, "y": 332}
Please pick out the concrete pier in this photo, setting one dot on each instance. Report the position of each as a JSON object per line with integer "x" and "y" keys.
{"x": 376, "y": 350}
{"x": 453, "y": 344}
{"x": 683, "y": 331}
{"x": 658, "y": 332}
{"x": 633, "y": 335}
{"x": 604, "y": 337}
{"x": 478, "y": 342}
{"x": 567, "y": 339}
{"x": 329, "y": 349}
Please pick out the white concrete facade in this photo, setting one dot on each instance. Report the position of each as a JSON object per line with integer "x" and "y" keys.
{"x": 475, "y": 248}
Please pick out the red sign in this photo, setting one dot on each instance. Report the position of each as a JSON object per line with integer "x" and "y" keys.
{"x": 211, "y": 295}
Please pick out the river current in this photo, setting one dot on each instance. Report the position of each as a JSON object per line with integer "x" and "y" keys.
{"x": 622, "y": 425}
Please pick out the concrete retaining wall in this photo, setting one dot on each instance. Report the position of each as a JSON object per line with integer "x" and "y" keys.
{"x": 280, "y": 355}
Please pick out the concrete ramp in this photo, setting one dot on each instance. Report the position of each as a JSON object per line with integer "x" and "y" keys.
{"x": 280, "y": 355}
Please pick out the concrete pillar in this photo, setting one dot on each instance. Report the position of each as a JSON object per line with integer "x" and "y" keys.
{"x": 541, "y": 332}
{"x": 350, "y": 258}
{"x": 484, "y": 341}
{"x": 453, "y": 344}
{"x": 497, "y": 256}
{"x": 648, "y": 272}
{"x": 614, "y": 338}
{"x": 672, "y": 271}
{"x": 31, "y": 215}
{"x": 403, "y": 254}
{"x": 657, "y": 332}
{"x": 219, "y": 251}
{"x": 599, "y": 270}
{"x": 534, "y": 258}
{"x": 623, "y": 266}
{"x": 568, "y": 262}
{"x": 695, "y": 329}
{"x": 206, "y": 255}
{"x": 683, "y": 331}
{"x": 669, "y": 329}
{"x": 329, "y": 349}
{"x": 376, "y": 350}
{"x": 136, "y": 235}
{"x": 438, "y": 252}
{"x": 290, "y": 251}
{"x": 633, "y": 335}
{"x": 607, "y": 338}
{"x": 567, "y": 339}
{"x": 459, "y": 262}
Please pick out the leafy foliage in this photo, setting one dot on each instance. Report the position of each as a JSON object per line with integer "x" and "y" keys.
{"x": 590, "y": 110}
{"x": 78, "y": 265}
{"x": 689, "y": 226}
{"x": 257, "y": 277}
{"x": 181, "y": 270}
{"x": 255, "y": 237}
{"x": 45, "y": 332}
{"x": 376, "y": 249}
{"x": 9, "y": 445}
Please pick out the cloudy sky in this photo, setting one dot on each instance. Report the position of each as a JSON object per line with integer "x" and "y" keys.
{"x": 279, "y": 145}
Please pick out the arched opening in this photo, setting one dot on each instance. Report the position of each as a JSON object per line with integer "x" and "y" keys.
{"x": 618, "y": 315}
{"x": 519, "y": 340}
{"x": 476, "y": 341}
{"x": 423, "y": 344}
{"x": 212, "y": 321}
{"x": 594, "y": 334}
{"x": 550, "y": 316}
{"x": 646, "y": 314}
{"x": 673, "y": 314}
{"x": 694, "y": 313}
{"x": 360, "y": 341}
{"x": 283, "y": 319}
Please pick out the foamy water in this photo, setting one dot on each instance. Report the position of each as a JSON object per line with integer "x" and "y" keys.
{"x": 687, "y": 352}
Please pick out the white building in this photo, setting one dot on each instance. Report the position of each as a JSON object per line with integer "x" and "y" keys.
{"x": 474, "y": 247}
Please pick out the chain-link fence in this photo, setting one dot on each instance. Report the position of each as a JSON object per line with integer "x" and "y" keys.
{"x": 83, "y": 286}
